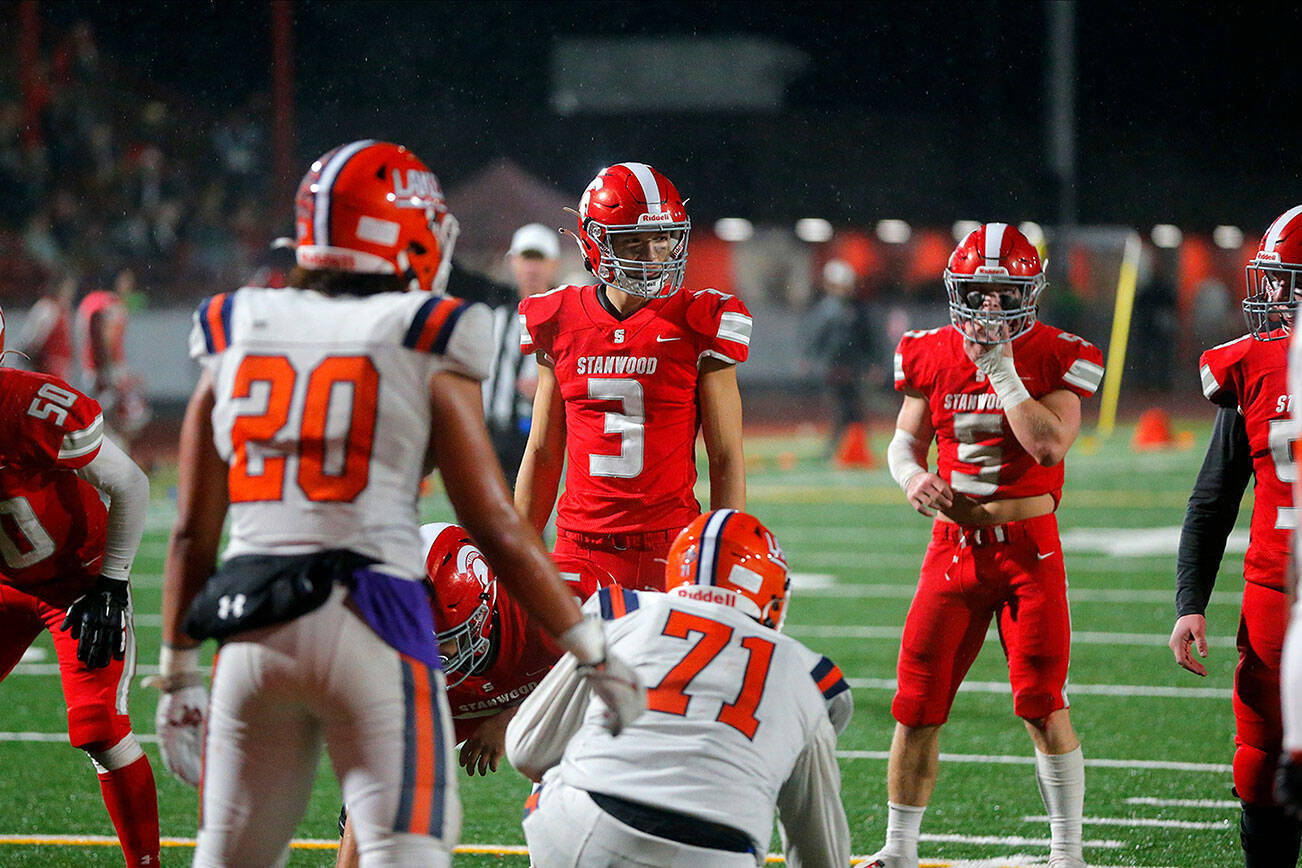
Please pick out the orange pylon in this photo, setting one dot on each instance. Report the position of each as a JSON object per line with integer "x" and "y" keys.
{"x": 1153, "y": 432}
{"x": 853, "y": 449}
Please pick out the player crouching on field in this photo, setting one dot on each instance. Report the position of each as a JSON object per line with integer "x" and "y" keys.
{"x": 741, "y": 721}
{"x": 62, "y": 550}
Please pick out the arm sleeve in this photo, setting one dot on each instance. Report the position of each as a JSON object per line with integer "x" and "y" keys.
{"x": 1212, "y": 510}
{"x": 536, "y": 737}
{"x": 811, "y": 818}
{"x": 115, "y": 474}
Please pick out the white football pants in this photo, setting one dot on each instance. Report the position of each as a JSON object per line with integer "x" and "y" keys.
{"x": 279, "y": 694}
{"x": 568, "y": 830}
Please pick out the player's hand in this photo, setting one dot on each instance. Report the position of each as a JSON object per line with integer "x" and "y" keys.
{"x": 486, "y": 745}
{"x": 987, "y": 357}
{"x": 619, "y": 687}
{"x": 98, "y": 621}
{"x": 179, "y": 723}
{"x": 927, "y": 491}
{"x": 1189, "y": 628}
{"x": 1288, "y": 785}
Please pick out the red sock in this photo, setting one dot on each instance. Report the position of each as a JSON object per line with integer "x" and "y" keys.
{"x": 132, "y": 802}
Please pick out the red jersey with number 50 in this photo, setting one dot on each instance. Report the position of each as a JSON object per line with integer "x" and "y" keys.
{"x": 322, "y": 413}
{"x": 52, "y": 523}
{"x": 979, "y": 454}
{"x": 1252, "y": 375}
{"x": 629, "y": 387}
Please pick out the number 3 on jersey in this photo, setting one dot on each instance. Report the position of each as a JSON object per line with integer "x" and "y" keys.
{"x": 334, "y": 460}
{"x": 629, "y": 424}
{"x": 673, "y": 694}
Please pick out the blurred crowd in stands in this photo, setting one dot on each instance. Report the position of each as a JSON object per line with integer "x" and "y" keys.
{"x": 101, "y": 171}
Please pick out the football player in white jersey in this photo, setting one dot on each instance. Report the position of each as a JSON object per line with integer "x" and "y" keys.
{"x": 741, "y": 721}
{"x": 319, "y": 409}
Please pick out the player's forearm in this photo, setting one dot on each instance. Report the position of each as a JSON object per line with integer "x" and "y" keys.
{"x": 127, "y": 487}
{"x": 815, "y": 832}
{"x": 728, "y": 481}
{"x": 1042, "y": 433}
{"x": 536, "y": 485}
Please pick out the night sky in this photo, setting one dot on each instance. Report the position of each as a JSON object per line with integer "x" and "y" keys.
{"x": 1186, "y": 112}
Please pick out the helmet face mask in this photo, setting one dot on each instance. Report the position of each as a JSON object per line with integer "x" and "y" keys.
{"x": 994, "y": 280}
{"x": 1273, "y": 278}
{"x": 728, "y": 557}
{"x": 633, "y": 231}
{"x": 464, "y": 604}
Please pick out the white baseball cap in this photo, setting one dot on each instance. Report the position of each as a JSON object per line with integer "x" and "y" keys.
{"x": 535, "y": 237}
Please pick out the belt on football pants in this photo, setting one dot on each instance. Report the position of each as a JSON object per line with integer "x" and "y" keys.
{"x": 989, "y": 534}
{"x": 673, "y": 826}
{"x": 619, "y": 542}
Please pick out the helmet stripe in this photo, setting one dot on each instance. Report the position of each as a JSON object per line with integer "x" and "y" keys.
{"x": 650, "y": 189}
{"x": 707, "y": 564}
{"x": 1277, "y": 228}
{"x": 329, "y": 172}
{"x": 994, "y": 241}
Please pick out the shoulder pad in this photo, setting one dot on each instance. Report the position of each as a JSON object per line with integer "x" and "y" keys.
{"x": 431, "y": 328}
{"x": 722, "y": 321}
{"x": 1214, "y": 368}
{"x": 212, "y": 321}
{"x": 616, "y": 602}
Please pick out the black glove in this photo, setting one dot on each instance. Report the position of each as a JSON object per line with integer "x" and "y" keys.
{"x": 1288, "y": 785}
{"x": 98, "y": 621}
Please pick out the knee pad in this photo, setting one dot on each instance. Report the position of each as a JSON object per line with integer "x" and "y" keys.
{"x": 96, "y": 727}
{"x": 1254, "y": 775}
{"x": 119, "y": 756}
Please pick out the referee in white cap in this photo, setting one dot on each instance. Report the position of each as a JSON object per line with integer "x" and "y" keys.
{"x": 532, "y": 260}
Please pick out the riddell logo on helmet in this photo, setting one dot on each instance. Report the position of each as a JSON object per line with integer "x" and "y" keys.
{"x": 662, "y": 217}
{"x": 991, "y": 269}
{"x": 707, "y": 594}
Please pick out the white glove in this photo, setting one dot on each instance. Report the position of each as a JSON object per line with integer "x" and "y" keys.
{"x": 613, "y": 680}
{"x": 182, "y": 713}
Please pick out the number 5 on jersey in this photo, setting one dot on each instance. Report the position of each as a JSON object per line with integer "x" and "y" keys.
{"x": 336, "y": 431}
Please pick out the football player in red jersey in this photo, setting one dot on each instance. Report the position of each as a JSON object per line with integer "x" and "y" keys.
{"x": 1001, "y": 394}
{"x": 630, "y": 368}
{"x": 64, "y": 562}
{"x": 1252, "y": 438}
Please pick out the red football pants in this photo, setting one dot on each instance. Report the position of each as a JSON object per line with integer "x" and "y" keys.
{"x": 1013, "y": 572}
{"x": 96, "y": 698}
{"x": 1259, "y": 731}
{"x": 635, "y": 561}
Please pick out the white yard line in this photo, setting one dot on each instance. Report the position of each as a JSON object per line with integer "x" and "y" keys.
{"x": 1082, "y": 689}
{"x": 991, "y": 759}
{"x": 1078, "y": 637}
{"x": 818, "y": 586}
{"x": 1184, "y": 803}
{"x": 1142, "y": 823}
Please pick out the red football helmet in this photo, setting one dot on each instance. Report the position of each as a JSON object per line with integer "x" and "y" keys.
{"x": 2, "y": 332}
{"x": 1273, "y": 278}
{"x": 464, "y": 600}
{"x": 728, "y": 557}
{"x": 994, "y": 261}
{"x": 633, "y": 198}
{"x": 375, "y": 208}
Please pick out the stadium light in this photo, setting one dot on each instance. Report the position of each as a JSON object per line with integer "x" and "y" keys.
{"x": 813, "y": 229}
{"x": 1228, "y": 237}
{"x": 733, "y": 229}
{"x": 963, "y": 227}
{"x": 1033, "y": 231}
{"x": 893, "y": 231}
{"x": 1166, "y": 236}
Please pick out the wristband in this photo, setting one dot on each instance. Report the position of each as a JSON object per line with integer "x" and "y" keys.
{"x": 900, "y": 458}
{"x": 586, "y": 641}
{"x": 1002, "y": 374}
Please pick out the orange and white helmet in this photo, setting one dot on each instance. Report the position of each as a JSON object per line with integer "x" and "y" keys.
{"x": 463, "y": 601}
{"x": 728, "y": 557}
{"x": 1273, "y": 279}
{"x": 374, "y": 208}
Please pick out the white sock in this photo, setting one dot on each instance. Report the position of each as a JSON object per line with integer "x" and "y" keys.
{"x": 903, "y": 825}
{"x": 1061, "y": 778}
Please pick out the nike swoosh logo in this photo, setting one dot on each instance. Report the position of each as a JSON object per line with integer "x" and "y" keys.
{"x": 660, "y": 339}
{"x": 1042, "y": 557}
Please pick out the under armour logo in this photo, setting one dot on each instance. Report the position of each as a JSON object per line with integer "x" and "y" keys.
{"x": 231, "y": 606}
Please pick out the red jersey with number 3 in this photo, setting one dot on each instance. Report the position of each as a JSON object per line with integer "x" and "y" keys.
{"x": 52, "y": 523}
{"x": 1252, "y": 375}
{"x": 524, "y": 656}
{"x": 979, "y": 454}
{"x": 629, "y": 387}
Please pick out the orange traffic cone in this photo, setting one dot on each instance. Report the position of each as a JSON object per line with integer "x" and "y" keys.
{"x": 1153, "y": 432}
{"x": 853, "y": 449}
